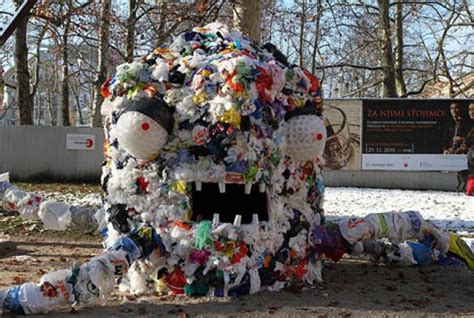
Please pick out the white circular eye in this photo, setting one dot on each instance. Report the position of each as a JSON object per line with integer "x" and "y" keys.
{"x": 305, "y": 137}
{"x": 139, "y": 135}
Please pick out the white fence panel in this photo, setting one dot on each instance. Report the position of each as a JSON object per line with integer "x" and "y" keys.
{"x": 39, "y": 153}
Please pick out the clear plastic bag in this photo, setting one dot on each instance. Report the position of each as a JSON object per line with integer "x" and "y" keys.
{"x": 83, "y": 219}
{"x": 12, "y": 198}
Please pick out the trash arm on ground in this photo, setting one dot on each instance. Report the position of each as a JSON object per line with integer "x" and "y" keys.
{"x": 90, "y": 283}
{"x": 54, "y": 215}
{"x": 363, "y": 236}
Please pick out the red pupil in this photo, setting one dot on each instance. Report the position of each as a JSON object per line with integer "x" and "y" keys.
{"x": 145, "y": 126}
{"x": 319, "y": 136}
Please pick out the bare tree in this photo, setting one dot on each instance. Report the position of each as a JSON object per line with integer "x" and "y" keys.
{"x": 247, "y": 18}
{"x": 400, "y": 80}
{"x": 23, "y": 97}
{"x": 65, "y": 118}
{"x": 369, "y": 46}
{"x": 317, "y": 33}
{"x": 302, "y": 30}
{"x": 131, "y": 26}
{"x": 388, "y": 66}
{"x": 102, "y": 61}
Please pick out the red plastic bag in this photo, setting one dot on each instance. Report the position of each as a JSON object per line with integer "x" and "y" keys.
{"x": 470, "y": 186}
{"x": 176, "y": 281}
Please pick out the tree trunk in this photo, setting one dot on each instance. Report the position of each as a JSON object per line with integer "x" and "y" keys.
{"x": 161, "y": 24}
{"x": 247, "y": 17}
{"x": 400, "y": 80}
{"x": 65, "y": 120}
{"x": 388, "y": 68}
{"x": 302, "y": 25}
{"x": 23, "y": 98}
{"x": 77, "y": 97}
{"x": 131, "y": 25}
{"x": 319, "y": 8}
{"x": 102, "y": 61}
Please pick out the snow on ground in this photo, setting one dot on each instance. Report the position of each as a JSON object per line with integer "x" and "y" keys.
{"x": 448, "y": 210}
{"x": 78, "y": 199}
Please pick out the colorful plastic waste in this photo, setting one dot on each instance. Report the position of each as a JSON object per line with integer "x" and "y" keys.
{"x": 396, "y": 227}
{"x": 214, "y": 108}
{"x": 90, "y": 283}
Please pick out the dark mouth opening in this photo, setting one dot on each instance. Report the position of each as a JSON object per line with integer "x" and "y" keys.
{"x": 210, "y": 201}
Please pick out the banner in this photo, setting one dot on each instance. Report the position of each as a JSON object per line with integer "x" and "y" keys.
{"x": 411, "y": 134}
{"x": 342, "y": 119}
{"x": 80, "y": 142}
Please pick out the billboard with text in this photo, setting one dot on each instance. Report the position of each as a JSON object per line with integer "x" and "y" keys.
{"x": 411, "y": 134}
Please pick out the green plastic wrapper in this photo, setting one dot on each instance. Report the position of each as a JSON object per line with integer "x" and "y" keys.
{"x": 203, "y": 235}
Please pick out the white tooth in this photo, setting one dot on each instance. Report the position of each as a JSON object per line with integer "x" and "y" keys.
{"x": 262, "y": 187}
{"x": 221, "y": 187}
{"x": 248, "y": 188}
{"x": 255, "y": 218}
{"x": 238, "y": 220}
{"x": 198, "y": 185}
{"x": 215, "y": 219}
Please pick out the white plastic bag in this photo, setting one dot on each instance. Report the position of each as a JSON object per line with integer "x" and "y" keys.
{"x": 100, "y": 219}
{"x": 28, "y": 207}
{"x": 52, "y": 292}
{"x": 55, "y": 215}
{"x": 5, "y": 177}
{"x": 101, "y": 273}
{"x": 12, "y": 198}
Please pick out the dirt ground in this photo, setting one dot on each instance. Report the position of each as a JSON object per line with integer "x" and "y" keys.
{"x": 354, "y": 288}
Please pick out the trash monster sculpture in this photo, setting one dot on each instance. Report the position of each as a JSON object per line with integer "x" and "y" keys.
{"x": 212, "y": 181}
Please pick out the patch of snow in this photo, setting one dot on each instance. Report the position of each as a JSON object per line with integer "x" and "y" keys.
{"x": 78, "y": 199}
{"x": 448, "y": 210}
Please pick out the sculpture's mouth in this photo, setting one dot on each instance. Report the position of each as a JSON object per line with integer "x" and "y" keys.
{"x": 228, "y": 201}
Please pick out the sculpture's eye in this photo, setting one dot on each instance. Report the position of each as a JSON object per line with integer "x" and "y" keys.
{"x": 145, "y": 126}
{"x": 305, "y": 137}
{"x": 143, "y": 130}
{"x": 140, "y": 135}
